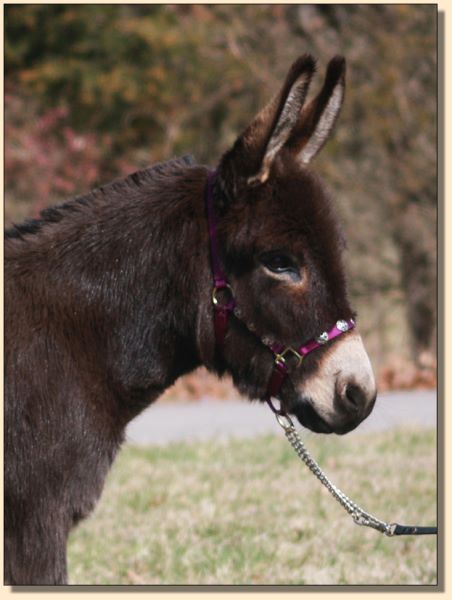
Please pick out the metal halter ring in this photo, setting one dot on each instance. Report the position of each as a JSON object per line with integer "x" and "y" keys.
{"x": 280, "y": 357}
{"x": 284, "y": 421}
{"x": 216, "y": 289}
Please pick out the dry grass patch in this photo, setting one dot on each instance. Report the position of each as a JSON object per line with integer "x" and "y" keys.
{"x": 248, "y": 512}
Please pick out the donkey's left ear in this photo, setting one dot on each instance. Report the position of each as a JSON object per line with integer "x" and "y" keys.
{"x": 250, "y": 159}
{"x": 317, "y": 119}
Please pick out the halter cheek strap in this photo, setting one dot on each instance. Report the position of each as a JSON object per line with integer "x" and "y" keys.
{"x": 224, "y": 306}
{"x": 222, "y": 309}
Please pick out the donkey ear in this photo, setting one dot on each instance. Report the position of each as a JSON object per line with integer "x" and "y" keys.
{"x": 317, "y": 119}
{"x": 254, "y": 151}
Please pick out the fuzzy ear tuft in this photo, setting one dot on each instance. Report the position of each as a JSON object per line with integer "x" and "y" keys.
{"x": 288, "y": 104}
{"x": 253, "y": 153}
{"x": 318, "y": 118}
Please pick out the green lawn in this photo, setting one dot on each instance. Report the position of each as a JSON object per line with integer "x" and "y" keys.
{"x": 249, "y": 512}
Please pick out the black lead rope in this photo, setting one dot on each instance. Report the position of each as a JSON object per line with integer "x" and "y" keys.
{"x": 410, "y": 530}
{"x": 359, "y": 515}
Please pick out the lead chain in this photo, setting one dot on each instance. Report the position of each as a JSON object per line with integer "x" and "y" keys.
{"x": 360, "y": 516}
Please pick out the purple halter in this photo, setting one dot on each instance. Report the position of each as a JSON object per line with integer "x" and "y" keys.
{"x": 223, "y": 311}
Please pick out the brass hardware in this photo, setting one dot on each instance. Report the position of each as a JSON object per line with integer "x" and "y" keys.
{"x": 216, "y": 289}
{"x": 280, "y": 358}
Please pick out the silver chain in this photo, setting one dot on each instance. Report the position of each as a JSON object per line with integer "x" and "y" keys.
{"x": 360, "y": 516}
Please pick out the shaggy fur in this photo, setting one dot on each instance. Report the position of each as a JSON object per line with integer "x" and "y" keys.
{"x": 107, "y": 303}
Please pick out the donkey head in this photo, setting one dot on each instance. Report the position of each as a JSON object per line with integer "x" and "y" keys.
{"x": 281, "y": 245}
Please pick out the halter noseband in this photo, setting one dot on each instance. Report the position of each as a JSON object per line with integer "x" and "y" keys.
{"x": 223, "y": 311}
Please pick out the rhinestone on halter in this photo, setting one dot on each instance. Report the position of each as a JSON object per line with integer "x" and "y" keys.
{"x": 323, "y": 338}
{"x": 342, "y": 326}
{"x": 267, "y": 340}
{"x": 237, "y": 311}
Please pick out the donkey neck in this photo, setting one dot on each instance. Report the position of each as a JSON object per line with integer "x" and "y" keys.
{"x": 125, "y": 274}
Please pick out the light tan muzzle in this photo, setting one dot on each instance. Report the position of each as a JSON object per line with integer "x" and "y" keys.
{"x": 342, "y": 390}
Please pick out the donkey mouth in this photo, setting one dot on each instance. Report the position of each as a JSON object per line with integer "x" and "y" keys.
{"x": 347, "y": 411}
{"x": 309, "y": 418}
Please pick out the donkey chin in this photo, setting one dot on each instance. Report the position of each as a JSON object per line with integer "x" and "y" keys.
{"x": 342, "y": 391}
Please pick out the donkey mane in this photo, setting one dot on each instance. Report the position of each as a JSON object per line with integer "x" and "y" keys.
{"x": 57, "y": 213}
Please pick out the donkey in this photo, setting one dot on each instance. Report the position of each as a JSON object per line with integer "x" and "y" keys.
{"x": 108, "y": 301}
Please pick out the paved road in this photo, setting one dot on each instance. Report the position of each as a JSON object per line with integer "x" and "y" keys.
{"x": 163, "y": 423}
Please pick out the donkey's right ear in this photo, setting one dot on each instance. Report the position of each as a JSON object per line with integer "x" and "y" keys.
{"x": 250, "y": 159}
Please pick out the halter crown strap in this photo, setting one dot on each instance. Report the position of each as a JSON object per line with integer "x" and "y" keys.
{"x": 219, "y": 277}
{"x": 222, "y": 310}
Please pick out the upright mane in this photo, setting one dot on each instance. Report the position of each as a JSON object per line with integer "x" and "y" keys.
{"x": 57, "y": 213}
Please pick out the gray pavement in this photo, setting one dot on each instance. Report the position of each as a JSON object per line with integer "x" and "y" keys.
{"x": 163, "y": 423}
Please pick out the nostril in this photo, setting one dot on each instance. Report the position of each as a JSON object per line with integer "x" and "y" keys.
{"x": 354, "y": 397}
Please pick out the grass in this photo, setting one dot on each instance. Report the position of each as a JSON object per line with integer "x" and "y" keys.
{"x": 248, "y": 512}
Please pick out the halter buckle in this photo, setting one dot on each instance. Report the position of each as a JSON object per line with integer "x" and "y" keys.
{"x": 280, "y": 357}
{"x": 220, "y": 288}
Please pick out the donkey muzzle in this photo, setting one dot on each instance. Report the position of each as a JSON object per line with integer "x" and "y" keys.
{"x": 342, "y": 391}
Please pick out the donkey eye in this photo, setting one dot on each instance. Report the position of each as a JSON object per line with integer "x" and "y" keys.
{"x": 281, "y": 264}
{"x": 278, "y": 263}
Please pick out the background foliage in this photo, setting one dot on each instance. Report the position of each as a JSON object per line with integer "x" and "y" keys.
{"x": 96, "y": 91}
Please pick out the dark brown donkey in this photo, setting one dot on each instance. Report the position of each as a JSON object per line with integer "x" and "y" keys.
{"x": 109, "y": 300}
